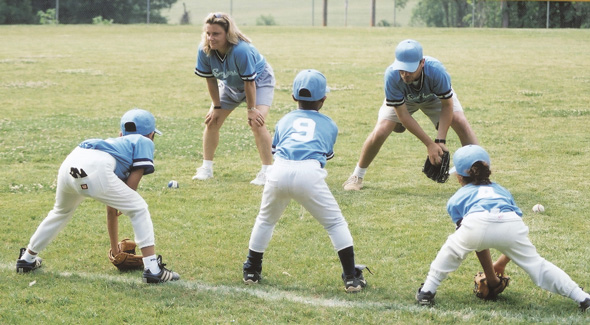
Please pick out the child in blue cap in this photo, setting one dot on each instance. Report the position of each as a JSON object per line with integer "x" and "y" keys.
{"x": 108, "y": 171}
{"x": 487, "y": 217}
{"x": 303, "y": 142}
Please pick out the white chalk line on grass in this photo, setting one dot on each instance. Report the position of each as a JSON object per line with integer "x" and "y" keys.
{"x": 272, "y": 294}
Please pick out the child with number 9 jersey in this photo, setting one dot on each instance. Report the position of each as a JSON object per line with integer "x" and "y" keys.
{"x": 303, "y": 142}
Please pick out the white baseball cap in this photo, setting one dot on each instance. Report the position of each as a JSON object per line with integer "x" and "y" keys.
{"x": 310, "y": 85}
{"x": 408, "y": 55}
{"x": 466, "y": 156}
{"x": 138, "y": 121}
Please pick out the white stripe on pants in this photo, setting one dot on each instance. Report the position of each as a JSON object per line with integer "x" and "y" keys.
{"x": 304, "y": 182}
{"x": 102, "y": 185}
{"x": 507, "y": 233}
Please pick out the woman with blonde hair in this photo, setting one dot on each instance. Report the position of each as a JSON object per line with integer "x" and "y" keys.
{"x": 226, "y": 55}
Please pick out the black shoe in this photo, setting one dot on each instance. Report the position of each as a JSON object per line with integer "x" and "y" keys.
{"x": 425, "y": 298}
{"x": 356, "y": 282}
{"x": 251, "y": 276}
{"x": 584, "y": 305}
{"x": 23, "y": 266}
{"x": 165, "y": 275}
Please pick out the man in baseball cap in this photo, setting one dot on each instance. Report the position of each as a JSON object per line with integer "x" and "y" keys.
{"x": 414, "y": 82}
{"x": 408, "y": 55}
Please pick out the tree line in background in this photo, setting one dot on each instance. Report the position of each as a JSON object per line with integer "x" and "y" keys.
{"x": 82, "y": 11}
{"x": 432, "y": 13}
{"x": 508, "y": 14}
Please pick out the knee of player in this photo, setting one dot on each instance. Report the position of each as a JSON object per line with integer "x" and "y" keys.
{"x": 140, "y": 210}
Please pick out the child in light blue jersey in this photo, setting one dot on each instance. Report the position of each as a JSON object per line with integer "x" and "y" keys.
{"x": 303, "y": 142}
{"x": 487, "y": 217}
{"x": 108, "y": 171}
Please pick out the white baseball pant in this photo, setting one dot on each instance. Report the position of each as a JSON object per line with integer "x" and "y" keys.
{"x": 507, "y": 233}
{"x": 101, "y": 184}
{"x": 303, "y": 181}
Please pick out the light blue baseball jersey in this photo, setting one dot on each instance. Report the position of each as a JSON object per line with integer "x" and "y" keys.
{"x": 241, "y": 63}
{"x": 131, "y": 152}
{"x": 477, "y": 198}
{"x": 305, "y": 134}
{"x": 434, "y": 83}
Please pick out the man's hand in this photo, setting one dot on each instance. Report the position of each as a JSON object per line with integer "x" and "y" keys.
{"x": 435, "y": 152}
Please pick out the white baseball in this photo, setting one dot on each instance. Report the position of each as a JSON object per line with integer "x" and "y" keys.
{"x": 173, "y": 184}
{"x": 538, "y": 208}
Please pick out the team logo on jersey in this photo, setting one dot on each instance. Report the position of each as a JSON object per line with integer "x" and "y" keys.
{"x": 220, "y": 74}
{"x": 420, "y": 97}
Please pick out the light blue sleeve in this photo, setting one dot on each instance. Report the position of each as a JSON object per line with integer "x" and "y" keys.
{"x": 394, "y": 96}
{"x": 143, "y": 155}
{"x": 203, "y": 67}
{"x": 439, "y": 79}
{"x": 245, "y": 56}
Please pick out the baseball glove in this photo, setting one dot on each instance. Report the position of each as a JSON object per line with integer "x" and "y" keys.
{"x": 438, "y": 173}
{"x": 126, "y": 260}
{"x": 483, "y": 291}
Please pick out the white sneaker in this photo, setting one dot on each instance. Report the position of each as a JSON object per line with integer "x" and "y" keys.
{"x": 203, "y": 173}
{"x": 353, "y": 183}
{"x": 260, "y": 179}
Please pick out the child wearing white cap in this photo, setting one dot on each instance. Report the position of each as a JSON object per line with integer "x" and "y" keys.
{"x": 487, "y": 217}
{"x": 303, "y": 142}
{"x": 108, "y": 171}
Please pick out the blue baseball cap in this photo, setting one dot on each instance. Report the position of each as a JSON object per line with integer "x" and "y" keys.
{"x": 310, "y": 85}
{"x": 138, "y": 121}
{"x": 466, "y": 156}
{"x": 408, "y": 55}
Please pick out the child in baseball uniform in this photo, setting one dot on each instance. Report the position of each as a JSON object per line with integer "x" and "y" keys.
{"x": 487, "y": 217}
{"x": 108, "y": 171}
{"x": 303, "y": 142}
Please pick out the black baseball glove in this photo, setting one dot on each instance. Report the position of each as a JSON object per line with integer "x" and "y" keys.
{"x": 438, "y": 173}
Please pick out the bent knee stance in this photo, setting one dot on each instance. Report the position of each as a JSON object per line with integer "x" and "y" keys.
{"x": 143, "y": 228}
{"x": 339, "y": 235}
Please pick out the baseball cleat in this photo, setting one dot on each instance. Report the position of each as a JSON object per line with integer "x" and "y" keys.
{"x": 23, "y": 266}
{"x": 425, "y": 298}
{"x": 165, "y": 275}
{"x": 251, "y": 277}
{"x": 585, "y": 305}
{"x": 203, "y": 173}
{"x": 356, "y": 282}
{"x": 353, "y": 183}
{"x": 260, "y": 179}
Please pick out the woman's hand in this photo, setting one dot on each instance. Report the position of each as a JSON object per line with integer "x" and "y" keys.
{"x": 254, "y": 116}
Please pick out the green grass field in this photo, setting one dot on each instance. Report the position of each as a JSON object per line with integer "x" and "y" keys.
{"x": 525, "y": 93}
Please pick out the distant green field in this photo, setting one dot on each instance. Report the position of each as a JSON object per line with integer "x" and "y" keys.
{"x": 525, "y": 92}
{"x": 294, "y": 13}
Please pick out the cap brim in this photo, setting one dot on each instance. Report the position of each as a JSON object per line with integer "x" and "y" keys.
{"x": 453, "y": 170}
{"x": 158, "y": 132}
{"x": 405, "y": 66}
